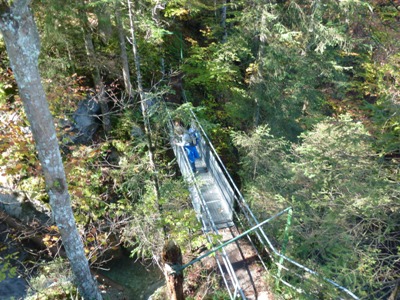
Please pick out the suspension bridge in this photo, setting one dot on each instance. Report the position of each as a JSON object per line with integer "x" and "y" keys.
{"x": 222, "y": 211}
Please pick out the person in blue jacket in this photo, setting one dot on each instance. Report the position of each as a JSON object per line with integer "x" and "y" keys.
{"x": 191, "y": 150}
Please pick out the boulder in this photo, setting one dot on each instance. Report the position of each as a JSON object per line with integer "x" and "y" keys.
{"x": 136, "y": 131}
{"x": 30, "y": 211}
{"x": 87, "y": 120}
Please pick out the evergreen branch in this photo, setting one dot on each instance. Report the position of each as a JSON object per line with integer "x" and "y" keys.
{"x": 394, "y": 5}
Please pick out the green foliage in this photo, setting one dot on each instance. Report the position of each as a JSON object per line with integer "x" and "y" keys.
{"x": 85, "y": 183}
{"x": 345, "y": 207}
{"x": 123, "y": 125}
{"x": 266, "y": 174}
{"x": 7, "y": 267}
{"x": 263, "y": 168}
{"x": 385, "y": 111}
{"x": 211, "y": 67}
{"x": 184, "y": 9}
{"x": 61, "y": 39}
{"x": 18, "y": 158}
{"x": 184, "y": 113}
{"x": 133, "y": 175}
{"x": 284, "y": 66}
{"x": 53, "y": 281}
{"x": 63, "y": 96}
{"x": 297, "y": 58}
{"x": 214, "y": 74}
{"x": 145, "y": 231}
{"x": 341, "y": 192}
{"x": 3, "y": 98}
{"x": 179, "y": 217}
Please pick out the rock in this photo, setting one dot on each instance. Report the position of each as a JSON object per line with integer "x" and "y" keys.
{"x": 137, "y": 131}
{"x": 86, "y": 120}
{"x": 28, "y": 211}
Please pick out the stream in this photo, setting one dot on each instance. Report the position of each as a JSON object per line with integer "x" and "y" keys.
{"x": 140, "y": 281}
{"x": 11, "y": 287}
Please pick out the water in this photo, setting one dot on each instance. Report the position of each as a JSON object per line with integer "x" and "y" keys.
{"x": 140, "y": 281}
{"x": 11, "y": 287}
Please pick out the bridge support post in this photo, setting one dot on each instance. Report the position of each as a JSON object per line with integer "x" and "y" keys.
{"x": 172, "y": 259}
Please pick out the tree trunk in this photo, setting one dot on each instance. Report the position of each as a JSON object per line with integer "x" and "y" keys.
{"x": 172, "y": 256}
{"x": 23, "y": 47}
{"x": 223, "y": 22}
{"x": 258, "y": 79}
{"x": 123, "y": 54}
{"x": 144, "y": 106}
{"x": 100, "y": 91}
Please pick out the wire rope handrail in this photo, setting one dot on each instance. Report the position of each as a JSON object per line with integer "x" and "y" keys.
{"x": 188, "y": 174}
{"x": 251, "y": 218}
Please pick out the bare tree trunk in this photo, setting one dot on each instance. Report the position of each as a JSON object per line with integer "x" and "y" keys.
{"x": 23, "y": 47}
{"x": 172, "y": 256}
{"x": 100, "y": 91}
{"x": 123, "y": 54}
{"x": 223, "y": 22}
{"x": 143, "y": 105}
{"x": 258, "y": 78}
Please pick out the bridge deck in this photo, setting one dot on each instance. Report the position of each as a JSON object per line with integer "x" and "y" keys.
{"x": 217, "y": 206}
{"x": 239, "y": 269}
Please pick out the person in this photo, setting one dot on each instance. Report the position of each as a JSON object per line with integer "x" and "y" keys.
{"x": 178, "y": 129}
{"x": 190, "y": 149}
{"x": 194, "y": 135}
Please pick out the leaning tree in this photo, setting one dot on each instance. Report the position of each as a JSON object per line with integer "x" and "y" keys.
{"x": 23, "y": 47}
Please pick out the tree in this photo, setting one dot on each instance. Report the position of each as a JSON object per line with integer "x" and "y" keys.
{"x": 98, "y": 82}
{"x": 143, "y": 104}
{"x": 23, "y": 47}
{"x": 347, "y": 205}
{"x": 123, "y": 54}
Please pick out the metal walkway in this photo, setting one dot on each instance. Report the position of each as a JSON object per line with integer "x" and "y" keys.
{"x": 212, "y": 204}
{"x": 221, "y": 214}
{"x": 214, "y": 196}
{"x": 211, "y": 198}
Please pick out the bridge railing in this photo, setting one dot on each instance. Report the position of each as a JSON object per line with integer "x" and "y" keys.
{"x": 217, "y": 172}
{"x": 204, "y": 216}
{"x": 233, "y": 195}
